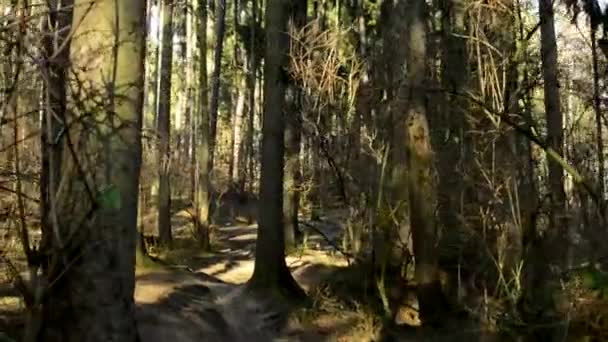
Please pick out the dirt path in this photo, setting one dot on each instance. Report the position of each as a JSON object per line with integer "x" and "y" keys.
{"x": 204, "y": 300}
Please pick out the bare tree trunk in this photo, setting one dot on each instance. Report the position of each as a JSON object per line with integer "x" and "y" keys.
{"x": 422, "y": 187}
{"x": 251, "y": 86}
{"x": 202, "y": 148}
{"x": 543, "y": 282}
{"x": 239, "y": 101}
{"x": 92, "y": 248}
{"x": 157, "y": 61}
{"x": 220, "y": 29}
{"x": 237, "y": 146}
{"x": 293, "y": 139}
{"x": 271, "y": 274}
{"x": 598, "y": 115}
{"x": 164, "y": 127}
{"x": 455, "y": 80}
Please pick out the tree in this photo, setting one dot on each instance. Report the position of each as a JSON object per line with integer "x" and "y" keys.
{"x": 164, "y": 126}
{"x": 543, "y": 284}
{"x": 220, "y": 29}
{"x": 422, "y": 187}
{"x": 60, "y": 16}
{"x": 452, "y": 123}
{"x": 202, "y": 148}
{"x": 92, "y": 251}
{"x": 293, "y": 138}
{"x": 270, "y": 271}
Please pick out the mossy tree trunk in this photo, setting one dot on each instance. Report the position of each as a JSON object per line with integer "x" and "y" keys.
{"x": 92, "y": 248}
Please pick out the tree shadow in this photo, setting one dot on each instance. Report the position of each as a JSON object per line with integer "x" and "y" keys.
{"x": 192, "y": 313}
{"x": 186, "y": 314}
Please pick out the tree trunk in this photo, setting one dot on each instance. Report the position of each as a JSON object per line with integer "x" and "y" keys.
{"x": 422, "y": 187}
{"x": 92, "y": 250}
{"x": 454, "y": 113}
{"x": 164, "y": 127}
{"x": 220, "y": 28}
{"x": 251, "y": 86}
{"x": 598, "y": 115}
{"x": 544, "y": 283}
{"x": 156, "y": 59}
{"x": 60, "y": 16}
{"x": 293, "y": 138}
{"x": 270, "y": 272}
{"x": 237, "y": 137}
{"x": 202, "y": 148}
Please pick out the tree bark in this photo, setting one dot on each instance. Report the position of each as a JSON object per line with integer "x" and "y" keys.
{"x": 453, "y": 116}
{"x": 270, "y": 272}
{"x": 92, "y": 250}
{"x": 251, "y": 86}
{"x": 598, "y": 115}
{"x": 544, "y": 282}
{"x": 422, "y": 187}
{"x": 220, "y": 29}
{"x": 293, "y": 139}
{"x": 202, "y": 148}
{"x": 164, "y": 127}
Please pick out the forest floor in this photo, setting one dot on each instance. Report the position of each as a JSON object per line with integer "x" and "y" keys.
{"x": 206, "y": 297}
{"x": 218, "y": 278}
{"x": 198, "y": 296}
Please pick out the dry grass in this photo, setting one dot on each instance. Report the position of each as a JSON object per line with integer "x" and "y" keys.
{"x": 333, "y": 320}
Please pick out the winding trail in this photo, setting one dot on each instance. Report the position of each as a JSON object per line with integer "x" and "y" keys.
{"x": 204, "y": 299}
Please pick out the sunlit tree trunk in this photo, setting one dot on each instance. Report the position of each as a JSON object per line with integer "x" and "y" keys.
{"x": 422, "y": 187}
{"x": 92, "y": 251}
{"x": 237, "y": 142}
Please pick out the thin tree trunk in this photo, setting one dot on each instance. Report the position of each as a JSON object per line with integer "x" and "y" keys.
{"x": 239, "y": 116}
{"x": 293, "y": 139}
{"x": 164, "y": 127}
{"x": 547, "y": 251}
{"x": 598, "y": 115}
{"x": 202, "y": 148}
{"x": 251, "y": 86}
{"x": 455, "y": 80}
{"x": 220, "y": 29}
{"x": 156, "y": 59}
